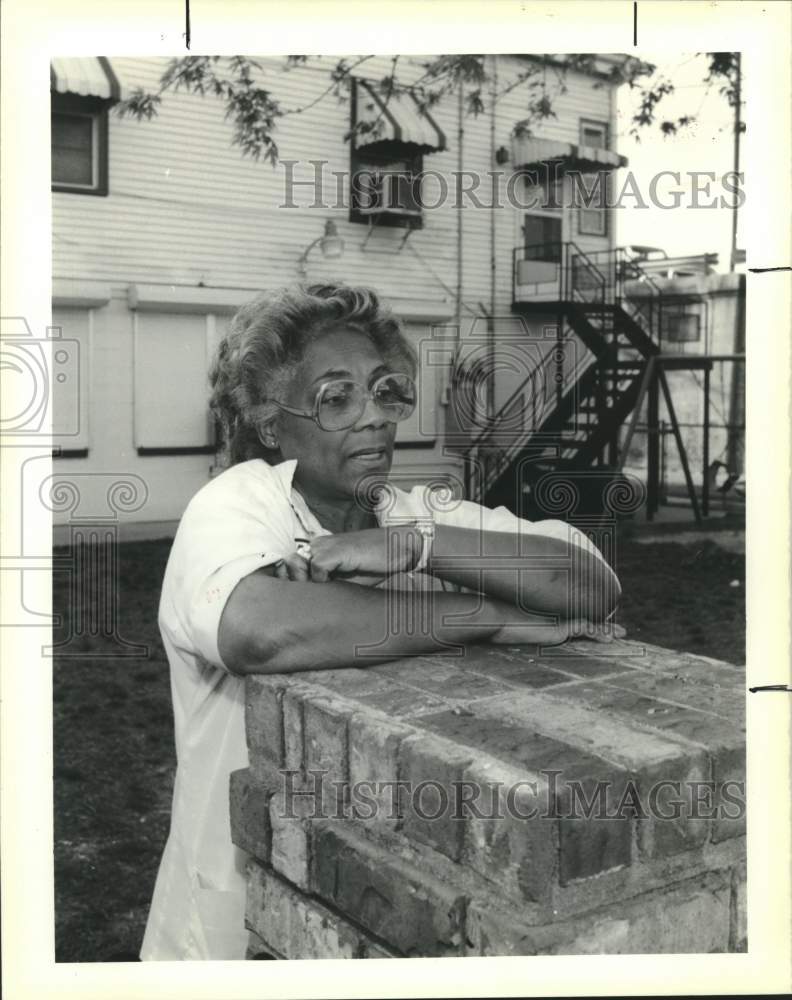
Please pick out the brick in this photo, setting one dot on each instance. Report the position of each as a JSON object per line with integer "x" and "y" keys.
{"x": 729, "y": 801}
{"x": 297, "y": 926}
{"x": 684, "y": 918}
{"x": 504, "y": 843}
{"x": 325, "y": 747}
{"x": 370, "y": 949}
{"x": 672, "y": 825}
{"x": 587, "y": 846}
{"x": 726, "y": 702}
{"x": 373, "y": 762}
{"x": 353, "y": 682}
{"x": 293, "y": 729}
{"x": 520, "y": 672}
{"x": 250, "y": 821}
{"x": 401, "y": 905}
{"x": 616, "y": 887}
{"x": 290, "y": 823}
{"x": 433, "y": 770}
{"x": 264, "y": 695}
{"x": 399, "y": 701}
{"x": 738, "y": 934}
{"x": 447, "y": 681}
{"x": 691, "y": 918}
{"x": 692, "y": 665}
{"x": 493, "y": 933}
{"x": 257, "y": 949}
{"x": 568, "y": 666}
{"x": 269, "y": 775}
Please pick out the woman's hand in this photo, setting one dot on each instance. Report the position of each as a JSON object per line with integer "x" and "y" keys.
{"x": 522, "y": 627}
{"x": 372, "y": 554}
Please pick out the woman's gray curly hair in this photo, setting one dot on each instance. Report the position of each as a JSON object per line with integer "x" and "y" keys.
{"x": 267, "y": 339}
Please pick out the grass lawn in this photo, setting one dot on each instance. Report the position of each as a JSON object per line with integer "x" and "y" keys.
{"x": 113, "y": 731}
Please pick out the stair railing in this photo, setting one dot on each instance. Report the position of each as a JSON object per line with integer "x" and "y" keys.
{"x": 585, "y": 281}
{"x": 505, "y": 434}
{"x": 621, "y": 268}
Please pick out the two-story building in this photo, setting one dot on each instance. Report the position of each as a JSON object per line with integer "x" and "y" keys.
{"x": 161, "y": 229}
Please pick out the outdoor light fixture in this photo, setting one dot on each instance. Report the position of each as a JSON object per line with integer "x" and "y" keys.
{"x": 330, "y": 243}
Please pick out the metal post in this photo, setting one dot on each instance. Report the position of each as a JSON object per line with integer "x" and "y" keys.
{"x": 652, "y": 447}
{"x": 562, "y": 280}
{"x": 691, "y": 488}
{"x": 705, "y": 452}
{"x": 737, "y": 127}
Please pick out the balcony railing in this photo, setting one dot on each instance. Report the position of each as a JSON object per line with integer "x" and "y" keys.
{"x": 561, "y": 272}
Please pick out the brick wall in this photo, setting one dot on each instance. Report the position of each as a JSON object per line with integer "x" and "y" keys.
{"x": 589, "y": 800}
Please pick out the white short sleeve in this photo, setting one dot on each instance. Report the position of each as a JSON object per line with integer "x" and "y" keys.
{"x": 237, "y": 524}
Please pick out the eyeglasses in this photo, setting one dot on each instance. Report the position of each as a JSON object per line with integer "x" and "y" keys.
{"x": 340, "y": 404}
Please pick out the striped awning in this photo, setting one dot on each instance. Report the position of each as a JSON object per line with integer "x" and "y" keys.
{"x": 400, "y": 120}
{"x": 530, "y": 152}
{"x": 86, "y": 76}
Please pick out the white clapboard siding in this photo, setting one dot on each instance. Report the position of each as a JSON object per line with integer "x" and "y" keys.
{"x": 186, "y": 207}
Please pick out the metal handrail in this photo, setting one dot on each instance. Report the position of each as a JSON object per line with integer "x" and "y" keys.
{"x": 619, "y": 263}
{"x": 518, "y": 439}
{"x": 582, "y": 255}
{"x": 548, "y": 361}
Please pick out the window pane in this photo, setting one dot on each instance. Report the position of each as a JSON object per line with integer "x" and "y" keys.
{"x": 594, "y": 134}
{"x": 542, "y": 237}
{"x": 72, "y": 149}
{"x": 390, "y": 184}
{"x": 592, "y": 222}
{"x": 171, "y": 382}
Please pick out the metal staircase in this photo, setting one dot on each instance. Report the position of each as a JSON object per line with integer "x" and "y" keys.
{"x": 608, "y": 335}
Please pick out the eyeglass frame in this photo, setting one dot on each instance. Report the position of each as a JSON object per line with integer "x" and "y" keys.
{"x": 313, "y": 414}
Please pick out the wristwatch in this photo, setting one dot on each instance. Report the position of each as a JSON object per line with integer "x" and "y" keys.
{"x": 425, "y": 527}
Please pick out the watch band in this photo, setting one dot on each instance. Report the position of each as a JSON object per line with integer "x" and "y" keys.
{"x": 426, "y": 528}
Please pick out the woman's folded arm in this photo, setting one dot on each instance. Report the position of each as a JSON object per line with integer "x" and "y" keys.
{"x": 531, "y": 570}
{"x": 270, "y": 625}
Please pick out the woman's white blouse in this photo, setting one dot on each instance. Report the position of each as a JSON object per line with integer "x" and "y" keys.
{"x": 246, "y": 518}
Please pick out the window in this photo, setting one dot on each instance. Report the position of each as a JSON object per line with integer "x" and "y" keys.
{"x": 79, "y": 144}
{"x": 171, "y": 391}
{"x": 593, "y": 221}
{"x": 386, "y": 187}
{"x": 681, "y": 324}
{"x": 390, "y": 134}
{"x": 594, "y": 134}
{"x": 542, "y": 237}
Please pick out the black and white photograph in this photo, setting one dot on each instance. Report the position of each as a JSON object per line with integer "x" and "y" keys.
{"x": 377, "y": 482}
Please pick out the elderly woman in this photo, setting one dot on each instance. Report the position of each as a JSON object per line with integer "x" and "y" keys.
{"x": 266, "y": 568}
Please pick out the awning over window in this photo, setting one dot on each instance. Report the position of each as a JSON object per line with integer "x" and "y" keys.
{"x": 400, "y": 121}
{"x": 531, "y": 153}
{"x": 86, "y": 76}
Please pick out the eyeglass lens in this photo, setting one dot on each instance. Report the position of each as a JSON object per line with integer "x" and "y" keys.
{"x": 342, "y": 402}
